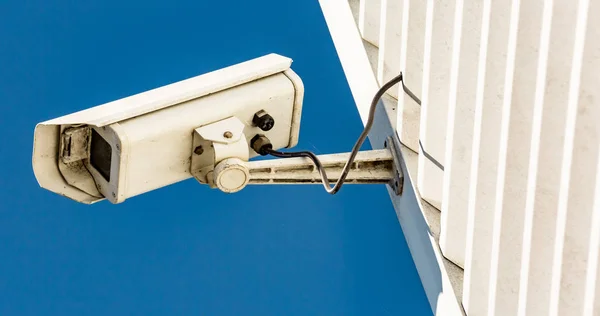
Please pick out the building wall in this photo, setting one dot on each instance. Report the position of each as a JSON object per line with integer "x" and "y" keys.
{"x": 505, "y": 140}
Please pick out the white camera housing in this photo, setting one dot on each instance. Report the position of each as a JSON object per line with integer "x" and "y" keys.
{"x": 141, "y": 143}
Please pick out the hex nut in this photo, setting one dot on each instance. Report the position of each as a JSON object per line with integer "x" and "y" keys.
{"x": 261, "y": 144}
{"x": 263, "y": 120}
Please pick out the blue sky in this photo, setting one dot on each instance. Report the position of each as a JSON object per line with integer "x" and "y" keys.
{"x": 186, "y": 249}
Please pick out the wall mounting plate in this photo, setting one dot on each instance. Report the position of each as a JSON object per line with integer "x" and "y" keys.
{"x": 397, "y": 183}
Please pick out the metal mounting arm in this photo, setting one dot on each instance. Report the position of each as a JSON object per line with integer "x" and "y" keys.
{"x": 369, "y": 167}
{"x": 373, "y": 166}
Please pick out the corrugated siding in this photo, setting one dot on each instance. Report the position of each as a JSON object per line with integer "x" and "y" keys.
{"x": 508, "y": 137}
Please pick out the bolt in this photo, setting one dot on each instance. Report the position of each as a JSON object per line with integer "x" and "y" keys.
{"x": 198, "y": 150}
{"x": 263, "y": 120}
{"x": 114, "y": 194}
{"x": 228, "y": 134}
{"x": 118, "y": 146}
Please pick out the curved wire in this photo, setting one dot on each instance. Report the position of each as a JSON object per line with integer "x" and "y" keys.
{"x": 357, "y": 145}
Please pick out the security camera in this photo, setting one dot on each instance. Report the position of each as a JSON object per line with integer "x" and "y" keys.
{"x": 207, "y": 127}
{"x": 149, "y": 140}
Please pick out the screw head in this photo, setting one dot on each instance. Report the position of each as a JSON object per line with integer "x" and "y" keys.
{"x": 228, "y": 134}
{"x": 198, "y": 150}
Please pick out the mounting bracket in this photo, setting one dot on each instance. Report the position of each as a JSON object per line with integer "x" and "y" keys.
{"x": 220, "y": 157}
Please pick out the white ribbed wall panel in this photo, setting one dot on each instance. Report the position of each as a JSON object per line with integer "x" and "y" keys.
{"x": 390, "y": 40}
{"x": 547, "y": 140}
{"x": 437, "y": 61}
{"x": 411, "y": 65}
{"x": 485, "y": 154}
{"x": 510, "y": 94}
{"x": 578, "y": 170}
{"x": 511, "y": 188}
{"x": 459, "y": 135}
{"x": 369, "y": 20}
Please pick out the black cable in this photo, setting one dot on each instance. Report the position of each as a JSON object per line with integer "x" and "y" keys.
{"x": 357, "y": 145}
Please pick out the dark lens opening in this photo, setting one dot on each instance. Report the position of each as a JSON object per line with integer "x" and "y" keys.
{"x": 100, "y": 155}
